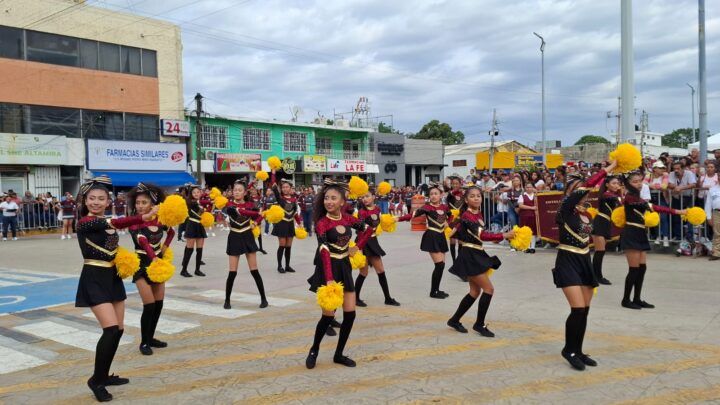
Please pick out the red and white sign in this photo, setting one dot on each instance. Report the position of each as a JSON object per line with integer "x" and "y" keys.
{"x": 355, "y": 166}
{"x": 335, "y": 165}
{"x": 175, "y": 128}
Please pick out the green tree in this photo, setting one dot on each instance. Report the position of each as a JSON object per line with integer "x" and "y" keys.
{"x": 439, "y": 131}
{"x": 679, "y": 138}
{"x": 587, "y": 139}
{"x": 386, "y": 129}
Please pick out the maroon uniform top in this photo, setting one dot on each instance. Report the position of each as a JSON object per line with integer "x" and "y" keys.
{"x": 334, "y": 238}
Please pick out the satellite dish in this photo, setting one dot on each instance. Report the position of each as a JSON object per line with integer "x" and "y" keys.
{"x": 295, "y": 112}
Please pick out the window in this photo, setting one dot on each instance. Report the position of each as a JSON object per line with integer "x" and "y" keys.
{"x": 351, "y": 149}
{"x": 149, "y": 63}
{"x": 11, "y": 43}
{"x": 323, "y": 146}
{"x": 109, "y": 57}
{"x": 130, "y": 60}
{"x": 141, "y": 127}
{"x": 459, "y": 163}
{"x": 54, "y": 121}
{"x": 51, "y": 48}
{"x": 11, "y": 118}
{"x": 213, "y": 136}
{"x": 294, "y": 141}
{"x": 88, "y": 54}
{"x": 256, "y": 139}
{"x": 102, "y": 125}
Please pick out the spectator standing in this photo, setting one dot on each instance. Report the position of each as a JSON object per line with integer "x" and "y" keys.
{"x": 681, "y": 183}
{"x": 528, "y": 212}
{"x": 9, "y": 210}
{"x": 29, "y": 210}
{"x": 712, "y": 210}
{"x": 67, "y": 208}
{"x": 486, "y": 185}
{"x": 657, "y": 181}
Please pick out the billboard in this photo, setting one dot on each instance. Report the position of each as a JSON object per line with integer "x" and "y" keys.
{"x": 136, "y": 156}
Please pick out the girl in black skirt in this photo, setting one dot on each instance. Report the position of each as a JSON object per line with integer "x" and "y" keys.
{"x": 100, "y": 287}
{"x": 634, "y": 239}
{"x": 454, "y": 200}
{"x": 147, "y": 238}
{"x": 370, "y": 213}
{"x": 609, "y": 199}
{"x": 473, "y": 262}
{"x": 256, "y": 199}
{"x": 573, "y": 270}
{"x": 332, "y": 263}
{"x": 433, "y": 239}
{"x": 285, "y": 229}
{"x": 195, "y": 233}
{"x": 241, "y": 215}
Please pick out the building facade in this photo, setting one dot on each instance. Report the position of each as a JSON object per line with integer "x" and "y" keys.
{"x": 73, "y": 73}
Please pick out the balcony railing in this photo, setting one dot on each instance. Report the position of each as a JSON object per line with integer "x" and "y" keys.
{"x": 369, "y": 157}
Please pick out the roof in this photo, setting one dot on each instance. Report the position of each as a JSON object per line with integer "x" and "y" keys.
{"x": 288, "y": 123}
{"x": 500, "y": 146}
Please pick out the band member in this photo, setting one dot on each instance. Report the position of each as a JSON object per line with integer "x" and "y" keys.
{"x": 473, "y": 262}
{"x": 195, "y": 233}
{"x": 333, "y": 229}
{"x": 454, "y": 200}
{"x": 256, "y": 199}
{"x": 370, "y": 214}
{"x": 149, "y": 245}
{"x": 602, "y": 225}
{"x": 242, "y": 213}
{"x": 100, "y": 287}
{"x": 285, "y": 229}
{"x": 573, "y": 270}
{"x": 433, "y": 239}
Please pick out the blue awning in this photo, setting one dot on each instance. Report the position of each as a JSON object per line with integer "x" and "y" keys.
{"x": 162, "y": 179}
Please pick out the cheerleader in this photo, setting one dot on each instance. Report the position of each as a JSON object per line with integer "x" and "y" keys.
{"x": 370, "y": 214}
{"x": 455, "y": 201}
{"x": 285, "y": 229}
{"x": 634, "y": 240}
{"x": 602, "y": 225}
{"x": 473, "y": 262}
{"x": 333, "y": 231}
{"x": 195, "y": 233}
{"x": 573, "y": 270}
{"x": 256, "y": 199}
{"x": 99, "y": 287}
{"x": 147, "y": 238}
{"x": 242, "y": 213}
{"x": 433, "y": 240}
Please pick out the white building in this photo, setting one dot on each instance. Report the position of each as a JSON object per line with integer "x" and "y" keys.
{"x": 460, "y": 159}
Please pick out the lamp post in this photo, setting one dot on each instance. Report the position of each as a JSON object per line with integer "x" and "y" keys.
{"x": 702, "y": 85}
{"x": 542, "y": 69}
{"x": 692, "y": 109}
{"x": 627, "y": 84}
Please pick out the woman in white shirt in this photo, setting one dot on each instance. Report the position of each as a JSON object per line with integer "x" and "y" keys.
{"x": 9, "y": 210}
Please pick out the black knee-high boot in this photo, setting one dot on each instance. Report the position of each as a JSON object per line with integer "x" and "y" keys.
{"x": 638, "y": 288}
{"x": 198, "y": 261}
{"x": 584, "y": 357}
{"x": 280, "y": 252}
{"x": 453, "y": 254}
{"x": 573, "y": 337}
{"x": 156, "y": 318}
{"x": 228, "y": 288}
{"x": 320, "y": 330}
{"x": 597, "y": 265}
{"x": 104, "y": 353}
{"x": 260, "y": 245}
{"x": 435, "y": 281}
{"x": 483, "y": 306}
{"x": 382, "y": 278}
{"x": 359, "y": 281}
{"x": 186, "y": 259}
{"x": 465, "y": 304}
{"x": 287, "y": 260}
{"x": 345, "y": 328}
{"x": 630, "y": 281}
{"x": 146, "y": 321}
{"x": 260, "y": 286}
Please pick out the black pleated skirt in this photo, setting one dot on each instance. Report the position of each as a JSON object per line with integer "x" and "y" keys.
{"x": 342, "y": 273}
{"x": 602, "y": 227}
{"x": 239, "y": 243}
{"x": 573, "y": 269}
{"x": 194, "y": 230}
{"x": 433, "y": 242}
{"x": 99, "y": 285}
{"x": 284, "y": 229}
{"x": 634, "y": 238}
{"x": 372, "y": 248}
{"x": 471, "y": 262}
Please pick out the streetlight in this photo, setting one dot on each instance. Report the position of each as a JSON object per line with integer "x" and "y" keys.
{"x": 542, "y": 67}
{"x": 692, "y": 109}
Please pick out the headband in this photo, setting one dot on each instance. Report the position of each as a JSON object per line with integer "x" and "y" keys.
{"x": 102, "y": 182}
{"x": 333, "y": 183}
{"x": 143, "y": 189}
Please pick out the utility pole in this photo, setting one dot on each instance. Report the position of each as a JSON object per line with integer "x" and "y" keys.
{"x": 692, "y": 110}
{"x": 702, "y": 85}
{"x": 618, "y": 137}
{"x": 643, "y": 128}
{"x": 626, "y": 74}
{"x": 542, "y": 69}
{"x": 493, "y": 133}
{"x": 198, "y": 131}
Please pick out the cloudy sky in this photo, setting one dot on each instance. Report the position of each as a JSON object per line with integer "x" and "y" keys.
{"x": 451, "y": 60}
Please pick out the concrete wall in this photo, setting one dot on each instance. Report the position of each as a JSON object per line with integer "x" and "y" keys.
{"x": 396, "y": 162}
{"x": 423, "y": 151}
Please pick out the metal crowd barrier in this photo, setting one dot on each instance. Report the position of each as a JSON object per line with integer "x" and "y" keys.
{"x": 37, "y": 216}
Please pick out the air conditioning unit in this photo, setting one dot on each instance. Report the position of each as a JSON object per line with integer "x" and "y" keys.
{"x": 209, "y": 155}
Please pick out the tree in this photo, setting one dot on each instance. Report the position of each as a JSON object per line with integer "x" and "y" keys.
{"x": 439, "y": 131}
{"x": 679, "y": 138}
{"x": 385, "y": 129}
{"x": 587, "y": 139}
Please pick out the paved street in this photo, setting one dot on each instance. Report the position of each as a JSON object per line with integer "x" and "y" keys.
{"x": 405, "y": 354}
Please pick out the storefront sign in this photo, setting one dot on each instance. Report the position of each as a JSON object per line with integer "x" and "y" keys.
{"x": 336, "y": 166}
{"x": 314, "y": 163}
{"x": 524, "y": 160}
{"x": 237, "y": 163}
{"x": 135, "y": 156}
{"x": 33, "y": 149}
{"x": 288, "y": 165}
{"x": 175, "y": 128}
{"x": 548, "y": 204}
{"x": 393, "y": 149}
{"x": 355, "y": 166}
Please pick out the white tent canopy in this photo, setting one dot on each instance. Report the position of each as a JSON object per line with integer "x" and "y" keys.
{"x": 713, "y": 142}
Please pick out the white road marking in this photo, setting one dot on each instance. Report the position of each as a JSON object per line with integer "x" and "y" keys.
{"x": 203, "y": 309}
{"x": 67, "y": 335}
{"x": 4, "y": 283}
{"x": 248, "y": 298}
{"x": 23, "y": 278}
{"x": 165, "y": 325}
{"x": 14, "y": 360}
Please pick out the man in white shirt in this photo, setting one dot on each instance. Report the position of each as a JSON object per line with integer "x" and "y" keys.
{"x": 681, "y": 182}
{"x": 712, "y": 210}
{"x": 10, "y": 211}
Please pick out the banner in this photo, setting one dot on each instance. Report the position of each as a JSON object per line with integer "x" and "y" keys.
{"x": 355, "y": 166}
{"x": 548, "y": 204}
{"x": 237, "y": 163}
{"x": 335, "y": 166}
{"x": 136, "y": 156}
{"x": 33, "y": 149}
{"x": 525, "y": 160}
{"x": 314, "y": 163}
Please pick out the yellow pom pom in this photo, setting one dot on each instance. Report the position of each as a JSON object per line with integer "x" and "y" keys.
{"x": 274, "y": 214}
{"x": 522, "y": 239}
{"x": 358, "y": 187}
{"x": 352, "y": 243}
{"x": 330, "y": 297}
{"x": 618, "y": 217}
{"x": 207, "y": 220}
{"x": 628, "y": 158}
{"x": 173, "y": 211}
{"x": 274, "y": 163}
{"x": 221, "y": 202}
{"x": 448, "y": 231}
{"x": 696, "y": 216}
{"x": 355, "y": 214}
{"x": 256, "y": 232}
{"x": 383, "y": 188}
{"x": 592, "y": 211}
{"x": 214, "y": 193}
{"x": 388, "y": 223}
{"x": 652, "y": 219}
{"x": 160, "y": 271}
{"x": 126, "y": 262}
{"x": 168, "y": 254}
{"x": 455, "y": 212}
{"x": 300, "y": 233}
{"x": 358, "y": 260}
{"x": 378, "y": 231}
{"x": 261, "y": 175}
{"x": 595, "y": 290}
{"x": 490, "y": 272}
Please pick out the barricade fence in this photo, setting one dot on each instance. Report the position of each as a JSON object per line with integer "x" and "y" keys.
{"x": 37, "y": 216}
